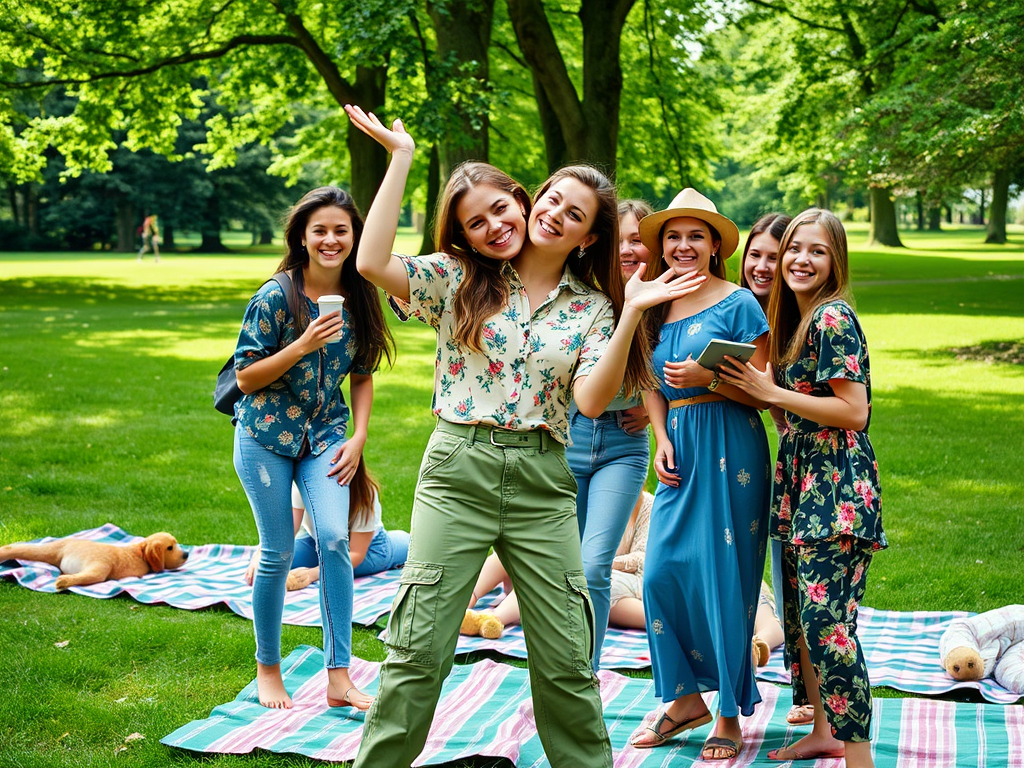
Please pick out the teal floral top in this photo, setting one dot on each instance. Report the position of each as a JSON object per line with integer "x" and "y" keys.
{"x": 306, "y": 403}
{"x": 524, "y": 381}
{"x": 826, "y": 479}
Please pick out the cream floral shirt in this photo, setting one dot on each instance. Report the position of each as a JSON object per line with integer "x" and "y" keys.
{"x": 524, "y": 381}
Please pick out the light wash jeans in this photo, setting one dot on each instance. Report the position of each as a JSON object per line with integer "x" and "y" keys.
{"x": 388, "y": 549}
{"x": 267, "y": 480}
{"x": 610, "y": 465}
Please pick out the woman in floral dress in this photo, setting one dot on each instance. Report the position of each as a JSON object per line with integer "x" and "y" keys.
{"x": 826, "y": 506}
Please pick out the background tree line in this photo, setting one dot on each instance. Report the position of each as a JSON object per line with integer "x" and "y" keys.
{"x": 208, "y": 111}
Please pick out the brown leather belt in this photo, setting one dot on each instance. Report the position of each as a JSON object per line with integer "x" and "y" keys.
{"x": 710, "y": 397}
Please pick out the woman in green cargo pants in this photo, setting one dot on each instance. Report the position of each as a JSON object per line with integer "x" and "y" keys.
{"x": 522, "y": 328}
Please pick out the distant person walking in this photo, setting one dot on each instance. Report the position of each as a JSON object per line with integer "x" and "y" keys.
{"x": 150, "y": 237}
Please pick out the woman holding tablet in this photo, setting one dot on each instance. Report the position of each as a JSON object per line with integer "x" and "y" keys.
{"x": 706, "y": 549}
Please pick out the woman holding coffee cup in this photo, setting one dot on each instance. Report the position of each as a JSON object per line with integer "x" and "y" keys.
{"x": 292, "y": 420}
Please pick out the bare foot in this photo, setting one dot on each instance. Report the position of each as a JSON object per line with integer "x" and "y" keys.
{"x": 810, "y": 746}
{"x": 271, "y": 687}
{"x": 725, "y": 741}
{"x": 342, "y": 693}
{"x": 298, "y": 578}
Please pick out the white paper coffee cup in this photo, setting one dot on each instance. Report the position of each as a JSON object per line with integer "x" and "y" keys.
{"x": 331, "y": 303}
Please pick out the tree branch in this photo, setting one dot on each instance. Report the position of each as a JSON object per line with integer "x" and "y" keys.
{"x": 512, "y": 54}
{"x": 173, "y": 61}
{"x": 806, "y": 22}
{"x": 340, "y": 88}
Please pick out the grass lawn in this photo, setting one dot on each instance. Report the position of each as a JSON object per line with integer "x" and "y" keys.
{"x": 107, "y": 369}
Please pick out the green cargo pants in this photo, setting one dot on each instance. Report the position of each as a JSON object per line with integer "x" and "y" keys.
{"x": 520, "y": 498}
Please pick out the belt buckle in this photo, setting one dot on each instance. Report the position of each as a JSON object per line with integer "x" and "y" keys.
{"x": 516, "y": 437}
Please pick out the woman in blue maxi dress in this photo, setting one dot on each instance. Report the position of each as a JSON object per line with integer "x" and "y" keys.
{"x": 706, "y": 550}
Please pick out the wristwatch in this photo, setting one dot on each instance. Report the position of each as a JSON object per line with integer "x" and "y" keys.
{"x": 714, "y": 383}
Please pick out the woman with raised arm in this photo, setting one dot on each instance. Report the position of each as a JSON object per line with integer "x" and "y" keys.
{"x": 826, "y": 505}
{"x": 291, "y": 422}
{"x": 513, "y": 349}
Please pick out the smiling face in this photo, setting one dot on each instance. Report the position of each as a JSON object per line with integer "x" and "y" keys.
{"x": 563, "y": 216}
{"x": 632, "y": 252}
{"x": 687, "y": 245}
{"x": 759, "y": 264}
{"x": 328, "y": 237}
{"x": 492, "y": 221}
{"x": 807, "y": 262}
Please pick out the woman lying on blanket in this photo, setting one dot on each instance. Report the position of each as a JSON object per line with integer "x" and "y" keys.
{"x": 371, "y": 547}
{"x": 627, "y": 609}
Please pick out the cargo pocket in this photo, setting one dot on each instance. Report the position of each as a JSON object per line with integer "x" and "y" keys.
{"x": 410, "y": 632}
{"x": 441, "y": 449}
{"x": 581, "y": 620}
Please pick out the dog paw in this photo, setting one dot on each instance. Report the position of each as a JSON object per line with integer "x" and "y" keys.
{"x": 63, "y": 582}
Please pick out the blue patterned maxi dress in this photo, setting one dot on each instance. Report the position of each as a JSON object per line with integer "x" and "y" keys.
{"x": 706, "y": 551}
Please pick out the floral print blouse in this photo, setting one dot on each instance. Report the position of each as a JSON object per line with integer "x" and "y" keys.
{"x": 306, "y": 402}
{"x": 826, "y": 479}
{"x": 524, "y": 381}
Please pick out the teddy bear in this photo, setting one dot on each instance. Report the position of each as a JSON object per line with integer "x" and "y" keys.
{"x": 987, "y": 645}
{"x": 482, "y": 623}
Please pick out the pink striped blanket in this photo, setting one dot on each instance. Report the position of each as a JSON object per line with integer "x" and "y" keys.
{"x": 485, "y": 709}
{"x": 213, "y": 575}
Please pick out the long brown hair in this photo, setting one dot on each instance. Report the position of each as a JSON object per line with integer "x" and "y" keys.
{"x": 362, "y": 488}
{"x": 599, "y": 268}
{"x": 483, "y": 291}
{"x": 789, "y": 327}
{"x": 373, "y": 339}
{"x": 775, "y": 225}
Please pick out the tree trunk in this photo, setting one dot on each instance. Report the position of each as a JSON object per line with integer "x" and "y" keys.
{"x": 996, "y": 232}
{"x": 463, "y": 32}
{"x": 167, "y": 235}
{"x": 935, "y": 218}
{"x": 266, "y": 237}
{"x": 949, "y": 214}
{"x": 981, "y": 208}
{"x": 211, "y": 226}
{"x": 589, "y": 127}
{"x": 433, "y": 190}
{"x": 883, "y": 219}
{"x": 919, "y": 202}
{"x": 126, "y": 227}
{"x": 369, "y": 159}
{"x": 555, "y": 151}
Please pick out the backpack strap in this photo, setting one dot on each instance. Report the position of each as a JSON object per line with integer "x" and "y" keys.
{"x": 285, "y": 281}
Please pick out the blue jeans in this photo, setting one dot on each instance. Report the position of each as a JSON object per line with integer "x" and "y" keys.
{"x": 388, "y": 549}
{"x": 267, "y": 480}
{"x": 610, "y": 465}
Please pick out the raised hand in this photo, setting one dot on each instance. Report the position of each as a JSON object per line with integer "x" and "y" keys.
{"x": 393, "y": 140}
{"x": 643, "y": 294}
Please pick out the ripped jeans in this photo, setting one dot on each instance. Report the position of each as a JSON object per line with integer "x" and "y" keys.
{"x": 521, "y": 499}
{"x": 267, "y": 480}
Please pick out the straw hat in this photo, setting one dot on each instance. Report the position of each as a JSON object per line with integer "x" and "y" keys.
{"x": 692, "y": 203}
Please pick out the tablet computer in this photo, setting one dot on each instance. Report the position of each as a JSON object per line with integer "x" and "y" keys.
{"x": 716, "y": 350}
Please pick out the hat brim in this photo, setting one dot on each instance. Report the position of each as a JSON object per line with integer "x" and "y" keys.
{"x": 650, "y": 228}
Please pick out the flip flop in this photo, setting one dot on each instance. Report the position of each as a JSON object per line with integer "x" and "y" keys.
{"x": 774, "y": 754}
{"x": 718, "y": 742}
{"x": 661, "y": 738}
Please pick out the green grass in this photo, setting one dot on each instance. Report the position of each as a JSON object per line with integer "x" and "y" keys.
{"x": 107, "y": 370}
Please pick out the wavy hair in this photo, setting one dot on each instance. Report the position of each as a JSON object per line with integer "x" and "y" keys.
{"x": 789, "y": 326}
{"x": 599, "y": 266}
{"x": 373, "y": 339}
{"x": 483, "y": 291}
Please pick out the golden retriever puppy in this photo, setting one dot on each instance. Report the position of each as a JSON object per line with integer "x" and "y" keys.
{"x": 90, "y": 562}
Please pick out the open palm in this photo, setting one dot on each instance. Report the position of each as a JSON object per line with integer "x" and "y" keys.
{"x": 394, "y": 139}
{"x": 643, "y": 294}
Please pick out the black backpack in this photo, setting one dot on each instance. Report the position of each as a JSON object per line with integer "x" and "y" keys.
{"x": 226, "y": 393}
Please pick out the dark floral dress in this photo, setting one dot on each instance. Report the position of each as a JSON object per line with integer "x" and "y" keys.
{"x": 826, "y": 509}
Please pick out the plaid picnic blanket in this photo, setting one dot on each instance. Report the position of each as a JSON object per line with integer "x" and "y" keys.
{"x": 902, "y": 650}
{"x": 485, "y": 709}
{"x": 213, "y": 575}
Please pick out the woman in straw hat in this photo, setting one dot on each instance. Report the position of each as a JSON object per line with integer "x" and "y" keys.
{"x": 706, "y": 550}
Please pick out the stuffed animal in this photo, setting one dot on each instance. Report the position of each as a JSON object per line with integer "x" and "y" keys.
{"x": 482, "y": 623}
{"x": 987, "y": 645}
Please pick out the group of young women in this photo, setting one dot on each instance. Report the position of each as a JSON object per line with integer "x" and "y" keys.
{"x": 550, "y": 338}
